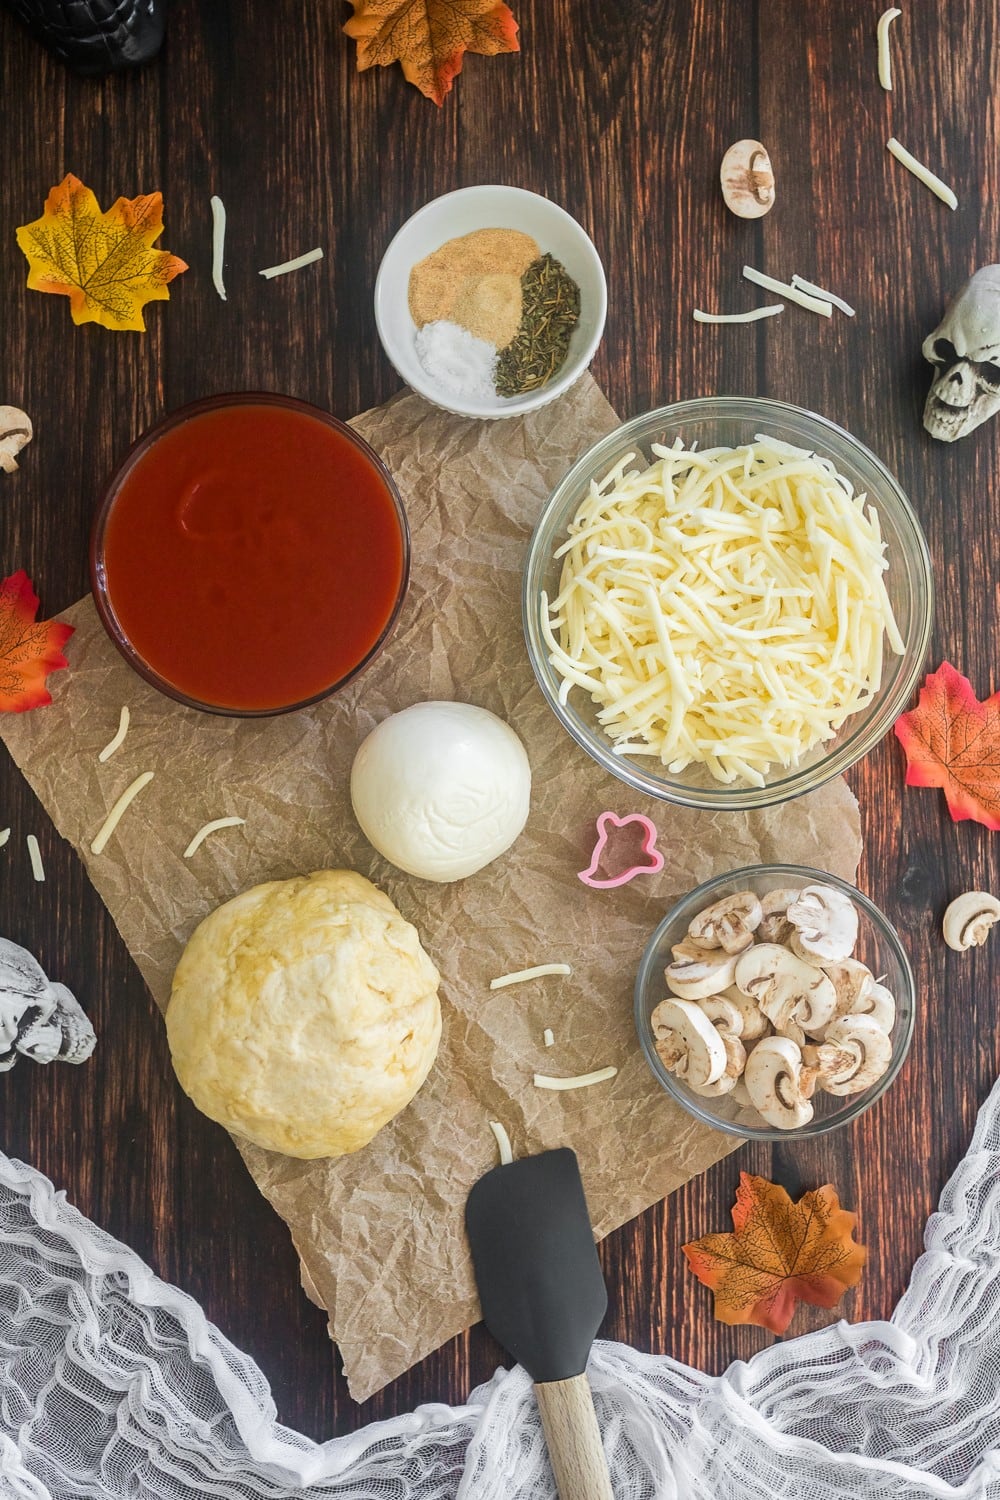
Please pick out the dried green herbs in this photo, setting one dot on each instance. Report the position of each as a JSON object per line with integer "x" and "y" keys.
{"x": 550, "y": 308}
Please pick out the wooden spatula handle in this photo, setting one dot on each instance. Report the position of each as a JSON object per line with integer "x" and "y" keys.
{"x": 574, "y": 1439}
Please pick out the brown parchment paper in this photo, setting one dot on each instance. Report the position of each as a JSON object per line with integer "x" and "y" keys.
{"x": 380, "y": 1234}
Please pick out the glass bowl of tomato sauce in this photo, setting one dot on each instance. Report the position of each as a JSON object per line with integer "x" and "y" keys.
{"x": 250, "y": 555}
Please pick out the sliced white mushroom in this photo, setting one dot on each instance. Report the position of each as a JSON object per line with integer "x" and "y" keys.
{"x": 852, "y": 980}
{"x": 822, "y": 1063}
{"x": 724, "y": 1013}
{"x": 969, "y": 918}
{"x": 825, "y": 922}
{"x": 729, "y": 923}
{"x": 773, "y": 1076}
{"x": 868, "y": 1053}
{"x": 687, "y": 1043}
{"x": 774, "y": 924}
{"x": 878, "y": 1003}
{"x": 788, "y": 990}
{"x": 755, "y": 1023}
{"x": 15, "y": 431}
{"x": 735, "y": 1063}
{"x": 695, "y": 978}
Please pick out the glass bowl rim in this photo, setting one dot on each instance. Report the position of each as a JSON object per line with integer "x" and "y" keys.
{"x": 137, "y": 450}
{"x": 901, "y": 1039}
{"x": 885, "y": 710}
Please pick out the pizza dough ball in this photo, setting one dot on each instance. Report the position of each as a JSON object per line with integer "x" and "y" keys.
{"x": 441, "y": 789}
{"x": 304, "y": 1014}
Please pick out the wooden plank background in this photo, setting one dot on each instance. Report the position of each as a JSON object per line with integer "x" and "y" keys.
{"x": 621, "y": 113}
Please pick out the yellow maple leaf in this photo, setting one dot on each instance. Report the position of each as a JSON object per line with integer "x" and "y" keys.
{"x": 103, "y": 262}
{"x": 430, "y": 37}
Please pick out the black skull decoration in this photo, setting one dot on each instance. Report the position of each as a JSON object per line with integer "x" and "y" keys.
{"x": 965, "y": 352}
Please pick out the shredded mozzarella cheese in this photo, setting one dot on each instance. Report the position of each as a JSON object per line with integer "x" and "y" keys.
{"x": 885, "y": 20}
{"x": 923, "y": 174}
{"x": 218, "y": 244}
{"x": 114, "y": 816}
{"x": 503, "y": 1143}
{"x": 582, "y": 1080}
{"x": 753, "y": 316}
{"x": 35, "y": 855}
{"x": 723, "y": 608}
{"x": 538, "y": 972}
{"x": 119, "y": 736}
{"x": 293, "y": 265}
{"x": 547, "y": 1037}
{"x": 785, "y": 289}
{"x": 825, "y": 296}
{"x": 208, "y": 828}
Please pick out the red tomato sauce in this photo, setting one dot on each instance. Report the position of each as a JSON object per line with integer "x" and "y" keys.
{"x": 253, "y": 556}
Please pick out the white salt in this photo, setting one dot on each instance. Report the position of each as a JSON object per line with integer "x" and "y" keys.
{"x": 459, "y": 362}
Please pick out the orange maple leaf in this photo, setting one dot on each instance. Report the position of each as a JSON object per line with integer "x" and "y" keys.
{"x": 430, "y": 37}
{"x": 29, "y": 648}
{"x": 103, "y": 262}
{"x": 781, "y": 1252}
{"x": 951, "y": 740}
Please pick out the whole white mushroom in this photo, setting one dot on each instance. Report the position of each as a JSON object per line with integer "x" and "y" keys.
{"x": 441, "y": 789}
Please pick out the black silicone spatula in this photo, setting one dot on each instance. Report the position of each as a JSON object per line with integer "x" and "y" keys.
{"x": 543, "y": 1298}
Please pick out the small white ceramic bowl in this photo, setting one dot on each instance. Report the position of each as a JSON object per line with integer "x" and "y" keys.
{"x": 461, "y": 212}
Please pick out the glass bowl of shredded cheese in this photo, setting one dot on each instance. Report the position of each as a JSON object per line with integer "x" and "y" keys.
{"x": 805, "y": 1104}
{"x": 727, "y": 602}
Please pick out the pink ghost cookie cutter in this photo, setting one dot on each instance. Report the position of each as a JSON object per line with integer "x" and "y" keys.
{"x": 608, "y": 820}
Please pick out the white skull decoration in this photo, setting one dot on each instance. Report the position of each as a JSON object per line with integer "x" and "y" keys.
{"x": 38, "y": 1017}
{"x": 965, "y": 351}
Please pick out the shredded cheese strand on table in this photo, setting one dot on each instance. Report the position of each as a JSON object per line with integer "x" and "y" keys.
{"x": 522, "y": 975}
{"x": 723, "y": 608}
{"x": 114, "y": 816}
{"x": 35, "y": 855}
{"x": 885, "y": 20}
{"x": 218, "y": 244}
{"x": 503, "y": 1143}
{"x": 4, "y": 836}
{"x": 293, "y": 265}
{"x": 817, "y": 291}
{"x": 753, "y": 316}
{"x": 208, "y": 828}
{"x": 785, "y": 289}
{"x": 923, "y": 174}
{"x": 581, "y": 1081}
{"x": 547, "y": 1037}
{"x": 119, "y": 736}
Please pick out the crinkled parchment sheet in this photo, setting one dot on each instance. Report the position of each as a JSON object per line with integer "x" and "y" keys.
{"x": 381, "y": 1233}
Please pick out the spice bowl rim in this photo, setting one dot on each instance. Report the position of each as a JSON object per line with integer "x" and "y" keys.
{"x": 105, "y": 505}
{"x": 649, "y": 981}
{"x": 397, "y": 330}
{"x": 913, "y": 577}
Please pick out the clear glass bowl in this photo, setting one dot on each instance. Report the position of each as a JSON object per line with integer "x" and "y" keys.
{"x": 729, "y": 421}
{"x": 878, "y": 946}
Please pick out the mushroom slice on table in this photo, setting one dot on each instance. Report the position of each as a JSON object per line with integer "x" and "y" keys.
{"x": 775, "y": 1083}
{"x": 969, "y": 918}
{"x": 729, "y": 923}
{"x": 774, "y": 924}
{"x": 695, "y": 978}
{"x": 825, "y": 923}
{"x": 867, "y": 1054}
{"x": 687, "y": 1043}
{"x": 790, "y": 991}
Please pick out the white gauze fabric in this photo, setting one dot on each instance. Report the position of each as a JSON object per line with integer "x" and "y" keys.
{"x": 114, "y": 1386}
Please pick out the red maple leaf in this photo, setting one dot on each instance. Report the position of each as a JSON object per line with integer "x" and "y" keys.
{"x": 779, "y": 1253}
{"x": 951, "y": 740}
{"x": 29, "y": 649}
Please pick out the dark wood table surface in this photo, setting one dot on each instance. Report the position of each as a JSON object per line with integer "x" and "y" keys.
{"x": 621, "y": 113}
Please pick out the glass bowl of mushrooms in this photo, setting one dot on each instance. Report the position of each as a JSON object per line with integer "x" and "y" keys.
{"x": 775, "y": 1000}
